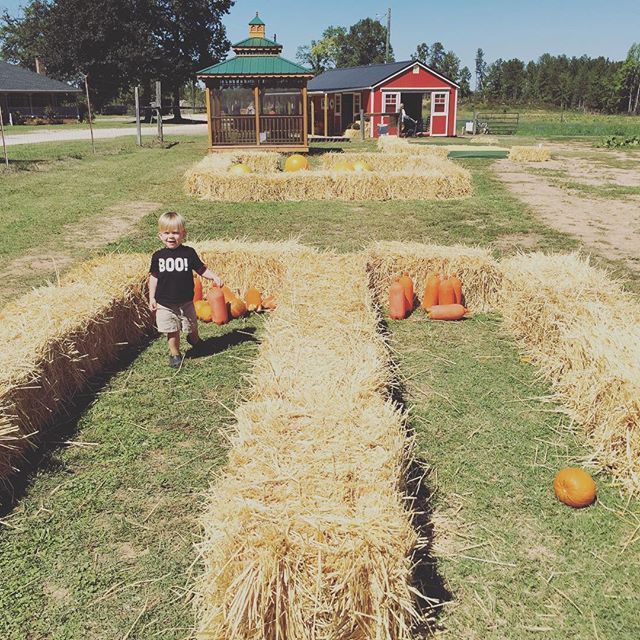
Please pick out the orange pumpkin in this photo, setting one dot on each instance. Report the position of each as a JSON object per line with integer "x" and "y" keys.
{"x": 446, "y": 312}
{"x": 203, "y": 310}
{"x": 237, "y": 308}
{"x": 397, "y": 302}
{"x": 407, "y": 286}
{"x": 253, "y": 298}
{"x": 269, "y": 303}
{"x": 446, "y": 294}
{"x": 296, "y": 162}
{"x": 431, "y": 290}
{"x": 197, "y": 289}
{"x": 228, "y": 294}
{"x": 457, "y": 288}
{"x": 219, "y": 313}
{"x": 574, "y": 487}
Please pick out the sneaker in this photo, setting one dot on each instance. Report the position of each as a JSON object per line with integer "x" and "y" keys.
{"x": 175, "y": 362}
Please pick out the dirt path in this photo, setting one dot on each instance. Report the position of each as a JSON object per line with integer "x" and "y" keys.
{"x": 610, "y": 227}
{"x": 117, "y": 221}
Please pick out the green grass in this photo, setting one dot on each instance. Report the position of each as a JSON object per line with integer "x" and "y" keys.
{"x": 100, "y": 545}
{"x": 107, "y": 528}
{"x": 521, "y": 565}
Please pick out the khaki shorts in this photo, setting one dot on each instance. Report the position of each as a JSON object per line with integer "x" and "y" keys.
{"x": 176, "y": 317}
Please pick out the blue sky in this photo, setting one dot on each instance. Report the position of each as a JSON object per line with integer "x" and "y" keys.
{"x": 505, "y": 29}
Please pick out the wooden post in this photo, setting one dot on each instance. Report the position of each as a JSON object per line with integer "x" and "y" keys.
{"x": 4, "y": 144}
{"x": 361, "y": 124}
{"x": 86, "y": 87}
{"x": 256, "y": 104}
{"x": 138, "y": 126}
{"x": 475, "y": 120}
{"x": 159, "y": 106}
{"x": 313, "y": 118}
{"x": 305, "y": 126}
{"x": 207, "y": 97}
{"x": 326, "y": 115}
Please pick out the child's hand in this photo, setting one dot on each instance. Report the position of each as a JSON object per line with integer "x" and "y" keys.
{"x": 153, "y": 305}
{"x": 218, "y": 281}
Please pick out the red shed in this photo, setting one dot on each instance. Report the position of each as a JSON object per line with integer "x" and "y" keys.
{"x": 338, "y": 95}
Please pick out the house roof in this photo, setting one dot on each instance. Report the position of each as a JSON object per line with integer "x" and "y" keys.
{"x": 15, "y": 79}
{"x": 363, "y": 77}
{"x": 269, "y": 65}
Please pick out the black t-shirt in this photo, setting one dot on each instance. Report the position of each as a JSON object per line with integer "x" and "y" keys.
{"x": 173, "y": 268}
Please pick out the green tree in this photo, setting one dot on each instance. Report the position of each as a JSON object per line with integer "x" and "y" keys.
{"x": 464, "y": 80}
{"x": 422, "y": 53}
{"x": 628, "y": 79}
{"x": 450, "y": 67}
{"x": 436, "y": 57}
{"x": 322, "y": 54}
{"x": 22, "y": 39}
{"x": 364, "y": 43}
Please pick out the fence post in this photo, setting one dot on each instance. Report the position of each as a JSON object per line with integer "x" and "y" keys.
{"x": 159, "y": 106}
{"x": 475, "y": 120}
{"x": 138, "y": 127}
{"x": 4, "y": 145}
{"x": 361, "y": 124}
{"x": 86, "y": 87}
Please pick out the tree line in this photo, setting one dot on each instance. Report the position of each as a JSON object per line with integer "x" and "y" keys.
{"x": 123, "y": 43}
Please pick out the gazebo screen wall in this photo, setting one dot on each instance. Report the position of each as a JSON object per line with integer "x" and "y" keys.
{"x": 234, "y": 118}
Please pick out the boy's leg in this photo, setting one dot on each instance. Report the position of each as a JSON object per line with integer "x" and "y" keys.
{"x": 173, "y": 340}
{"x": 190, "y": 324}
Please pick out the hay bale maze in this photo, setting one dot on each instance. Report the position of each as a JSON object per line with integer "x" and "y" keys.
{"x": 309, "y": 532}
{"x": 529, "y": 154}
{"x": 401, "y": 176}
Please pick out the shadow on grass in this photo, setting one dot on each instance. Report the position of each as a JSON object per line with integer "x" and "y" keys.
{"x": 216, "y": 344}
{"x": 43, "y": 454}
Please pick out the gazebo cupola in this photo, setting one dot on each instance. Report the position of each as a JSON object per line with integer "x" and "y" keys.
{"x": 257, "y": 98}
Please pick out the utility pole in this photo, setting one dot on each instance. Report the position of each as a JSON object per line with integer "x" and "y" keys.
{"x": 386, "y": 48}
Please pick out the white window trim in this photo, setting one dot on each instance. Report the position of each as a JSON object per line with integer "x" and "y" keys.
{"x": 338, "y": 103}
{"x": 356, "y": 112}
{"x": 444, "y": 114}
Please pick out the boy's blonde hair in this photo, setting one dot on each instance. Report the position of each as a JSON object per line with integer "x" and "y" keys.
{"x": 171, "y": 221}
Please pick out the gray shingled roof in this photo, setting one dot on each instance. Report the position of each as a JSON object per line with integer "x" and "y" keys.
{"x": 15, "y": 79}
{"x": 359, "y": 77}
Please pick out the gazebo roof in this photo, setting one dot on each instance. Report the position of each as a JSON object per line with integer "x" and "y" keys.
{"x": 256, "y": 42}
{"x": 269, "y": 65}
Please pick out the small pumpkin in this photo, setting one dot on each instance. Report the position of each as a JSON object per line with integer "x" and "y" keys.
{"x": 342, "y": 166}
{"x": 446, "y": 293}
{"x": 237, "y": 308}
{"x": 253, "y": 298}
{"x": 239, "y": 169}
{"x": 574, "y": 487}
{"x": 457, "y": 288}
{"x": 229, "y": 296}
{"x": 203, "y": 310}
{"x": 446, "y": 312}
{"x": 431, "y": 290}
{"x": 360, "y": 166}
{"x": 219, "y": 313}
{"x": 407, "y": 286}
{"x": 397, "y": 302}
{"x": 296, "y": 162}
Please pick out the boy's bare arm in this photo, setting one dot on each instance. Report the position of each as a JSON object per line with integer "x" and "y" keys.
{"x": 210, "y": 275}
{"x": 153, "y": 283}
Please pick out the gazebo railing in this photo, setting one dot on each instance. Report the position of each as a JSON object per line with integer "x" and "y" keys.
{"x": 281, "y": 129}
{"x": 233, "y": 130}
{"x": 241, "y": 130}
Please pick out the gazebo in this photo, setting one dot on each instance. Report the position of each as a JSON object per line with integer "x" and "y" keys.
{"x": 257, "y": 99}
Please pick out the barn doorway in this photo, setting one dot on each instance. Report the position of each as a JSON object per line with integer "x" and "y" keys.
{"x": 347, "y": 111}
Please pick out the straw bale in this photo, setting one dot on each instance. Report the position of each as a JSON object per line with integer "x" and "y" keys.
{"x": 352, "y": 134}
{"x": 257, "y": 161}
{"x": 529, "y": 154}
{"x": 80, "y": 327}
{"x": 480, "y": 274}
{"x": 484, "y": 139}
{"x": 450, "y": 181}
{"x": 393, "y": 144}
{"x": 583, "y": 331}
{"x": 390, "y": 162}
{"x": 308, "y": 533}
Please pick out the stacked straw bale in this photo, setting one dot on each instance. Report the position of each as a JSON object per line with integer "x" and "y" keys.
{"x": 422, "y": 180}
{"x": 308, "y": 534}
{"x": 529, "y": 154}
{"x": 390, "y": 162}
{"x": 583, "y": 331}
{"x": 80, "y": 326}
{"x": 393, "y": 144}
{"x": 257, "y": 161}
{"x": 480, "y": 274}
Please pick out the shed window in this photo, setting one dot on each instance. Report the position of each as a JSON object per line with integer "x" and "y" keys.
{"x": 338, "y": 110}
{"x": 356, "y": 104}
{"x": 390, "y": 102}
{"x": 416, "y": 69}
{"x": 439, "y": 103}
